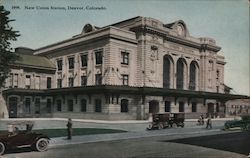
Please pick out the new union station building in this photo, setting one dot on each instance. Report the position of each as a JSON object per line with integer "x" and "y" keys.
{"x": 123, "y": 71}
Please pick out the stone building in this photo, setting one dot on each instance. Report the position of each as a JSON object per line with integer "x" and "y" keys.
{"x": 238, "y": 107}
{"x": 126, "y": 70}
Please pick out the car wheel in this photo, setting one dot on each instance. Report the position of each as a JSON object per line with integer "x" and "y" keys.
{"x": 2, "y": 148}
{"x": 182, "y": 125}
{"x": 42, "y": 144}
{"x": 174, "y": 125}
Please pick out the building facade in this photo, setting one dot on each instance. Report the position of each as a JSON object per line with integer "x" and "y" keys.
{"x": 238, "y": 107}
{"x": 126, "y": 70}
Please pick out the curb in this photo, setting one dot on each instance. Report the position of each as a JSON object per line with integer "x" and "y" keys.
{"x": 101, "y": 121}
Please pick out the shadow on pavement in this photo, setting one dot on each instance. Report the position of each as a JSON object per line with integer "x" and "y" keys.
{"x": 21, "y": 150}
{"x": 234, "y": 142}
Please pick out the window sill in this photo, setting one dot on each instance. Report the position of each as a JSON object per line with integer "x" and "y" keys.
{"x": 124, "y": 65}
{"x": 98, "y": 65}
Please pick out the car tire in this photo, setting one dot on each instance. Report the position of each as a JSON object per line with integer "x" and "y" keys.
{"x": 2, "y": 148}
{"x": 174, "y": 125}
{"x": 42, "y": 144}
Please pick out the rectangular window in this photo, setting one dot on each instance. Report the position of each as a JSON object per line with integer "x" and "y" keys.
{"x": 71, "y": 81}
{"x": 59, "y": 83}
{"x": 48, "y": 105}
{"x": 48, "y": 82}
{"x": 84, "y": 60}
{"x": 83, "y": 80}
{"x": 59, "y": 65}
{"x": 15, "y": 81}
{"x": 124, "y": 58}
{"x": 37, "y": 106}
{"x": 98, "y": 105}
{"x": 167, "y": 106}
{"x": 27, "y": 82}
{"x": 98, "y": 57}
{"x": 194, "y": 107}
{"x": 71, "y": 62}
{"x": 181, "y": 106}
{"x": 27, "y": 105}
{"x": 98, "y": 79}
{"x": 125, "y": 80}
{"x": 11, "y": 81}
{"x": 70, "y": 105}
{"x": 59, "y": 105}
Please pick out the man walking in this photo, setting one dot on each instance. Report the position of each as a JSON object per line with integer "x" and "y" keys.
{"x": 209, "y": 122}
{"x": 69, "y": 128}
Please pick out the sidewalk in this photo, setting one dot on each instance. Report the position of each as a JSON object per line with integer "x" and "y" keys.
{"x": 128, "y": 125}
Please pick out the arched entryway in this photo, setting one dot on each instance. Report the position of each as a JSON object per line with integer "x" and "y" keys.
{"x": 13, "y": 107}
{"x": 210, "y": 109}
{"x": 153, "y": 107}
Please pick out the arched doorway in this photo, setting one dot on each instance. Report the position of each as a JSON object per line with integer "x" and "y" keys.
{"x": 153, "y": 107}
{"x": 210, "y": 109}
{"x": 13, "y": 107}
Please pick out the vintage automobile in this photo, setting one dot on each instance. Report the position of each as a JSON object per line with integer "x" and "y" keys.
{"x": 20, "y": 135}
{"x": 165, "y": 120}
{"x": 243, "y": 123}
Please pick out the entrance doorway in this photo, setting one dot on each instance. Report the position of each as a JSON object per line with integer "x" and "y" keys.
{"x": 153, "y": 106}
{"x": 13, "y": 107}
{"x": 210, "y": 109}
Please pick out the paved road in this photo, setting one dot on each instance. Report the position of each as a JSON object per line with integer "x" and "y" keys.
{"x": 150, "y": 147}
{"x": 233, "y": 142}
{"x": 137, "y": 142}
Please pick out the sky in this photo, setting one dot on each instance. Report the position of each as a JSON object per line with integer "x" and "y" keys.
{"x": 226, "y": 21}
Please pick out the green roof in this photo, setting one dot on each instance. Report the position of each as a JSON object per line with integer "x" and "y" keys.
{"x": 34, "y": 61}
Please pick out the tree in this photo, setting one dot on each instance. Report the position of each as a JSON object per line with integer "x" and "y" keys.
{"x": 7, "y": 34}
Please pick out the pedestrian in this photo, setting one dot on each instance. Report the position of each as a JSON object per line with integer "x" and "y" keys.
{"x": 209, "y": 122}
{"x": 69, "y": 128}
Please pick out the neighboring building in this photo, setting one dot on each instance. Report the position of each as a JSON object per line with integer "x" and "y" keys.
{"x": 122, "y": 71}
{"x": 238, "y": 107}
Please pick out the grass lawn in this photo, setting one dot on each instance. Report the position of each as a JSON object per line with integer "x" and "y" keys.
{"x": 76, "y": 131}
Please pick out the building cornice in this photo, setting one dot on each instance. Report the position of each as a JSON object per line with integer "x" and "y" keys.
{"x": 95, "y": 36}
{"x": 111, "y": 89}
{"x": 32, "y": 67}
{"x": 176, "y": 39}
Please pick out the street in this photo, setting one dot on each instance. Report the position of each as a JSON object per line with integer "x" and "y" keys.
{"x": 184, "y": 143}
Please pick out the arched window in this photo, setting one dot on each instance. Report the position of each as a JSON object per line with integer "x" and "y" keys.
{"x": 13, "y": 101}
{"x": 192, "y": 76}
{"x": 180, "y": 74}
{"x": 59, "y": 105}
{"x": 98, "y": 105}
{"x": 83, "y": 105}
{"x": 124, "y": 105}
{"x": 166, "y": 72}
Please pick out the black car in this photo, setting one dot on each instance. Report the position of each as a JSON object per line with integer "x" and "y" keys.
{"x": 20, "y": 135}
{"x": 243, "y": 123}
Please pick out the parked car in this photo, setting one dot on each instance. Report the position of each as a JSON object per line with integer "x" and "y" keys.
{"x": 165, "y": 120}
{"x": 20, "y": 135}
{"x": 243, "y": 123}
